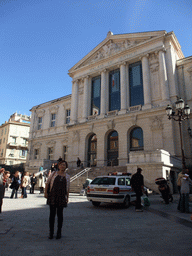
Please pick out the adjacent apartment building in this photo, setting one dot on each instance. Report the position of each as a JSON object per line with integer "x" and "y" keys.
{"x": 116, "y": 114}
{"x": 14, "y": 136}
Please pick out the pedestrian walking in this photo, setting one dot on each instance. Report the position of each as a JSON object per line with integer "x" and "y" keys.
{"x": 24, "y": 184}
{"x": 41, "y": 183}
{"x": 180, "y": 176}
{"x": 78, "y": 162}
{"x": 15, "y": 184}
{"x": 137, "y": 184}
{"x": 185, "y": 180}
{"x": 57, "y": 194}
{"x": 4, "y": 176}
{"x": 33, "y": 183}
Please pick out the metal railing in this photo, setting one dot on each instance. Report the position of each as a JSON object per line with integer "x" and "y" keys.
{"x": 79, "y": 174}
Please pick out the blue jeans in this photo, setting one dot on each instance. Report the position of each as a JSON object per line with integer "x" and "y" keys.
{"x": 14, "y": 191}
{"x": 24, "y": 192}
{"x": 184, "y": 204}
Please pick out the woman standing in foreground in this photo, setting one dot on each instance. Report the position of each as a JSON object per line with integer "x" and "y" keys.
{"x": 57, "y": 194}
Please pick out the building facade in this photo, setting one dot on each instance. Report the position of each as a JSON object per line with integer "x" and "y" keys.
{"x": 14, "y": 136}
{"x": 117, "y": 108}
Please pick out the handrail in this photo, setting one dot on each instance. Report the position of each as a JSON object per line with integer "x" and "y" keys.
{"x": 79, "y": 174}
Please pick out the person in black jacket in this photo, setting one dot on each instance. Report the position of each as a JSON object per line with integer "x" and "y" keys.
{"x": 33, "y": 183}
{"x": 15, "y": 184}
{"x": 137, "y": 185}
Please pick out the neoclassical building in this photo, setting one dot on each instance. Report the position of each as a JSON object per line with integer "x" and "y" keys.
{"x": 116, "y": 114}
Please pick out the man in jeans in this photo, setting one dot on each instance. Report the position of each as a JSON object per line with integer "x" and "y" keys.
{"x": 137, "y": 185}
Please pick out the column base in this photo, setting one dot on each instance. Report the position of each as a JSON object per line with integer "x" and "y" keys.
{"x": 83, "y": 120}
{"x": 146, "y": 106}
{"x": 101, "y": 116}
{"x": 122, "y": 112}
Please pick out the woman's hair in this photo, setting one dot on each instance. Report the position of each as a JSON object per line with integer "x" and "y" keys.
{"x": 63, "y": 161}
{"x": 6, "y": 172}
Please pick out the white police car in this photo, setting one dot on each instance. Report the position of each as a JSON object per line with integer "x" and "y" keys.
{"x": 114, "y": 188}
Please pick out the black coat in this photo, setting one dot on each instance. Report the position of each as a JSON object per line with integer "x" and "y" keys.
{"x": 15, "y": 183}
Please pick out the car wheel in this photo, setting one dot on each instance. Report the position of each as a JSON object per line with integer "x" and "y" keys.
{"x": 96, "y": 203}
{"x": 126, "y": 203}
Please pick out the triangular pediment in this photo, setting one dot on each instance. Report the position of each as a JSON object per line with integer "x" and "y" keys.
{"x": 114, "y": 44}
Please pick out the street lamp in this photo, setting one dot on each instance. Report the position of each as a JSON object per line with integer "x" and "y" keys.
{"x": 180, "y": 114}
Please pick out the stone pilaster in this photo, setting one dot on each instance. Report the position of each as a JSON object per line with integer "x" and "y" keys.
{"x": 146, "y": 82}
{"x": 163, "y": 78}
{"x": 123, "y": 82}
{"x": 103, "y": 93}
{"x": 85, "y": 98}
{"x": 74, "y": 102}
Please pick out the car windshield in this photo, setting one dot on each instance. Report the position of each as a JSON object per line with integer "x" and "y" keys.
{"x": 103, "y": 181}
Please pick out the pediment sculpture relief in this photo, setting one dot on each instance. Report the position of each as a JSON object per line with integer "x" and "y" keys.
{"x": 112, "y": 48}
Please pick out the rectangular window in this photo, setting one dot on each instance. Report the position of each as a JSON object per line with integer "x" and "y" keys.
{"x": 0, "y": 141}
{"x": 24, "y": 142}
{"x": 4, "y": 140}
{"x": 68, "y": 113}
{"x": 53, "y": 118}
{"x": 96, "y": 96}
{"x": 2, "y": 132}
{"x": 11, "y": 162}
{"x": 114, "y": 90}
{"x": 50, "y": 153}
{"x": 14, "y": 140}
{"x": 36, "y": 154}
{"x": 136, "y": 84}
{"x": 40, "y": 119}
{"x": 5, "y": 130}
{"x": 23, "y": 153}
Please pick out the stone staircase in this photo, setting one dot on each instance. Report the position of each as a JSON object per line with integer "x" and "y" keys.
{"x": 77, "y": 184}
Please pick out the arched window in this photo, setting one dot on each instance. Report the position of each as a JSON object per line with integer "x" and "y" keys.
{"x": 136, "y": 139}
{"x": 112, "y": 150}
{"x": 92, "y": 150}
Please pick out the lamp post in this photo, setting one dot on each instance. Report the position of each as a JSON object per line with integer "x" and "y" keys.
{"x": 180, "y": 114}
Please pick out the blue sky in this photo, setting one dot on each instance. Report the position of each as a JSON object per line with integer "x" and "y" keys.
{"x": 42, "y": 39}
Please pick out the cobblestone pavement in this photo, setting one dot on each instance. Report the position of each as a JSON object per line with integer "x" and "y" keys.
{"x": 87, "y": 230}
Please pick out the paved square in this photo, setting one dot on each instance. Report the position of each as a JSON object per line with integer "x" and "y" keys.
{"x": 87, "y": 230}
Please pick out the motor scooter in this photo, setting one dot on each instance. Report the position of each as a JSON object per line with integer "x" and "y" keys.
{"x": 164, "y": 190}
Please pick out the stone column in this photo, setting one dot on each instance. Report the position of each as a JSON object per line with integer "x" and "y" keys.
{"x": 163, "y": 78}
{"x": 123, "y": 88}
{"x": 74, "y": 102}
{"x": 103, "y": 93}
{"x": 146, "y": 82}
{"x": 127, "y": 79}
{"x": 85, "y": 98}
{"x": 171, "y": 72}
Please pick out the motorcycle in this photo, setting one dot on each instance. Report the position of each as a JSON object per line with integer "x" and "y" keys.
{"x": 164, "y": 190}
